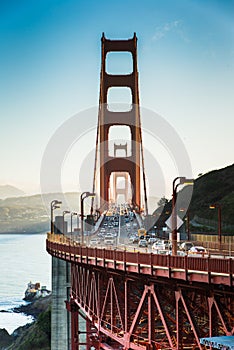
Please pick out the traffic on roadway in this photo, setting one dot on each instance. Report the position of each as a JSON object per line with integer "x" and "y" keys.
{"x": 120, "y": 229}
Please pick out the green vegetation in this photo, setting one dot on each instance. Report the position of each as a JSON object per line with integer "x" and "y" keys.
{"x": 44, "y": 321}
{"x": 35, "y": 336}
{"x": 215, "y": 187}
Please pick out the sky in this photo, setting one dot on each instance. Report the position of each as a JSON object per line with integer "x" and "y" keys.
{"x": 50, "y": 68}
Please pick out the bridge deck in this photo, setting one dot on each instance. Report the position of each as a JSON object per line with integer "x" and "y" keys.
{"x": 192, "y": 269}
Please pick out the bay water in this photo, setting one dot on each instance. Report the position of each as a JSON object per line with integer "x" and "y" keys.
{"x": 23, "y": 258}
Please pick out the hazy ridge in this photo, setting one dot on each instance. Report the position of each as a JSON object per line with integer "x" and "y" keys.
{"x": 28, "y": 214}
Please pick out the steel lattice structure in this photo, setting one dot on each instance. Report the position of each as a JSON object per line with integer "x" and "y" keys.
{"x": 133, "y": 309}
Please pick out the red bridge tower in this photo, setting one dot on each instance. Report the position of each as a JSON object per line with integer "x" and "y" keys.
{"x": 130, "y": 164}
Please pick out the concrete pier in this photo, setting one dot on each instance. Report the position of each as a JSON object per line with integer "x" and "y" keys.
{"x": 60, "y": 322}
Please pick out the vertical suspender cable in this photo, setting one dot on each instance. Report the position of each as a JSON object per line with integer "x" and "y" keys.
{"x": 140, "y": 136}
{"x": 96, "y": 152}
{"x": 143, "y": 168}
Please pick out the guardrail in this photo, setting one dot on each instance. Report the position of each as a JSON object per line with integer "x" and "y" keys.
{"x": 212, "y": 270}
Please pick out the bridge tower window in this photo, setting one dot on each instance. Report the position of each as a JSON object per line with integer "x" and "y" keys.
{"x": 118, "y": 62}
{"x": 120, "y": 187}
{"x": 119, "y": 99}
{"x": 119, "y": 141}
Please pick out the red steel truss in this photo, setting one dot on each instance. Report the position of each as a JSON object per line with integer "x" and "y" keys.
{"x": 127, "y": 305}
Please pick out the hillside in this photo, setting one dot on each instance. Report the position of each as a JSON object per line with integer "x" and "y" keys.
{"x": 7, "y": 191}
{"x": 32, "y": 213}
{"x": 214, "y": 187}
{"x": 35, "y": 335}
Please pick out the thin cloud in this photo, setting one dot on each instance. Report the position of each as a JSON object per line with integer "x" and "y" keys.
{"x": 175, "y": 26}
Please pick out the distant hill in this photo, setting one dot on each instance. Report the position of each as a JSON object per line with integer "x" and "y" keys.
{"x": 7, "y": 191}
{"x": 31, "y": 214}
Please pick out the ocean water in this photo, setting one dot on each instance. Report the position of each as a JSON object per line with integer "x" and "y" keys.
{"x": 23, "y": 258}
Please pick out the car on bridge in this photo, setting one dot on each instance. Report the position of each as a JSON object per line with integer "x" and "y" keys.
{"x": 185, "y": 246}
{"x": 162, "y": 251}
{"x": 198, "y": 251}
{"x": 134, "y": 239}
{"x": 94, "y": 241}
{"x": 143, "y": 243}
{"x": 152, "y": 240}
{"x": 109, "y": 241}
{"x": 158, "y": 245}
{"x": 109, "y": 235}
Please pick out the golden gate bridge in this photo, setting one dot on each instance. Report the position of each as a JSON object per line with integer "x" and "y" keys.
{"x": 122, "y": 299}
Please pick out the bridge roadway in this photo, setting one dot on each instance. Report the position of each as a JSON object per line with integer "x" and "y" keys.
{"x": 191, "y": 269}
{"x": 133, "y": 300}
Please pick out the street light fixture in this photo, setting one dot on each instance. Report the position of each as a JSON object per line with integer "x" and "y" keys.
{"x": 82, "y": 198}
{"x": 182, "y": 181}
{"x": 73, "y": 214}
{"x": 55, "y": 204}
{"x": 64, "y": 213}
{"x": 218, "y": 206}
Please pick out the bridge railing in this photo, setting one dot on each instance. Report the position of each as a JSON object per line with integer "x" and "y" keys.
{"x": 66, "y": 245}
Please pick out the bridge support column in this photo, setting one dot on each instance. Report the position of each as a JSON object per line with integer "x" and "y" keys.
{"x": 60, "y": 322}
{"x": 73, "y": 308}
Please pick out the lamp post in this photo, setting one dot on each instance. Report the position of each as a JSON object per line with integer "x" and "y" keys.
{"x": 72, "y": 214}
{"x": 182, "y": 181}
{"x": 188, "y": 225}
{"x": 64, "y": 213}
{"x": 82, "y": 198}
{"x": 218, "y": 206}
{"x": 98, "y": 213}
{"x": 55, "y": 204}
